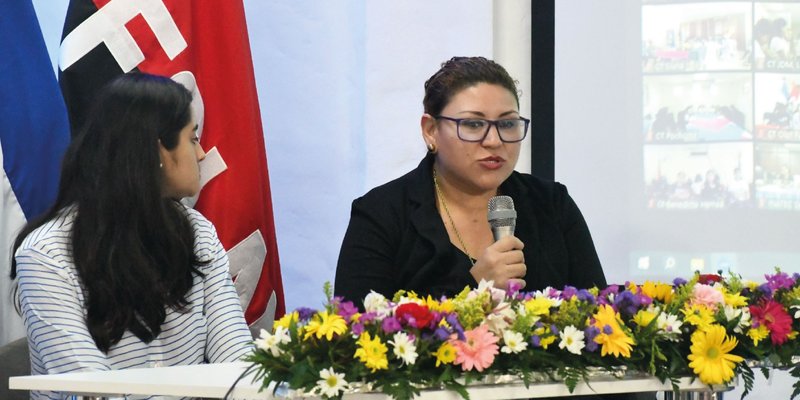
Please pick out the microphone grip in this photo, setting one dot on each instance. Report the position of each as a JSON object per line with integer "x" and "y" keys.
{"x": 500, "y": 232}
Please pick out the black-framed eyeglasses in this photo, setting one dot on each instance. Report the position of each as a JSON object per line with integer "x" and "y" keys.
{"x": 510, "y": 130}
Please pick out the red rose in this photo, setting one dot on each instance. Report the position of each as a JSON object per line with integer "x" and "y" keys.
{"x": 707, "y": 279}
{"x": 414, "y": 314}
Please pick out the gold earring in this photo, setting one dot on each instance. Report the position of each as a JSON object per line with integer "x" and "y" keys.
{"x": 431, "y": 148}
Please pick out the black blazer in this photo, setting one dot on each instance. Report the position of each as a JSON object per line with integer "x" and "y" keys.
{"x": 397, "y": 240}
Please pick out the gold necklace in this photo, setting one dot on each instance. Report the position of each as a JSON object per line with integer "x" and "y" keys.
{"x": 450, "y": 217}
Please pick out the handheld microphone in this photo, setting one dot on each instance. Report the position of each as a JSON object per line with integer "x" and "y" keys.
{"x": 502, "y": 216}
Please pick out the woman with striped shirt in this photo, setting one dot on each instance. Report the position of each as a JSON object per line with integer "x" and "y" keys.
{"x": 118, "y": 273}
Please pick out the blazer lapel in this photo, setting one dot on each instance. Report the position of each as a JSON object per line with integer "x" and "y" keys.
{"x": 422, "y": 203}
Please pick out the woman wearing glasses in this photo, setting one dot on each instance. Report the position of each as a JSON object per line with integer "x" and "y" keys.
{"x": 428, "y": 232}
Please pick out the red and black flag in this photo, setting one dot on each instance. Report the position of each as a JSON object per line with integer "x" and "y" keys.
{"x": 203, "y": 45}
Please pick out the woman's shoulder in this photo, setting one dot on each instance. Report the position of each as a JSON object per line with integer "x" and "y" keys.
{"x": 537, "y": 187}
{"x": 54, "y": 232}
{"x": 394, "y": 191}
{"x": 201, "y": 225}
{"x": 52, "y": 239}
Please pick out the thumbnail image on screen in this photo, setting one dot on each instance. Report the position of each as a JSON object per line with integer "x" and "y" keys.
{"x": 721, "y": 105}
{"x": 699, "y": 176}
{"x": 776, "y": 33}
{"x": 777, "y": 176}
{"x": 777, "y": 107}
{"x": 698, "y": 107}
{"x": 696, "y": 37}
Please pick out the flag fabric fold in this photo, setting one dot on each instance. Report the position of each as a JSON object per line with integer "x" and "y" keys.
{"x": 205, "y": 46}
{"x": 33, "y": 136}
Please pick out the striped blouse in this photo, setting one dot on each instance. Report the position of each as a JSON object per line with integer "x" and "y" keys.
{"x": 212, "y": 330}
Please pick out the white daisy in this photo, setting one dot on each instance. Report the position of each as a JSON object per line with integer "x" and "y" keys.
{"x": 269, "y": 342}
{"x": 331, "y": 383}
{"x": 796, "y": 313}
{"x": 514, "y": 342}
{"x": 572, "y": 339}
{"x": 669, "y": 325}
{"x": 404, "y": 348}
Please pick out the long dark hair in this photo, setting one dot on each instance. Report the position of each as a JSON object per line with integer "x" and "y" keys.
{"x": 133, "y": 248}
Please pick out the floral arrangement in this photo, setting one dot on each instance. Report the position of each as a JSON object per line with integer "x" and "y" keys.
{"x": 706, "y": 327}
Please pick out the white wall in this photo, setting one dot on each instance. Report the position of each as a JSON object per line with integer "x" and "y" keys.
{"x": 341, "y": 86}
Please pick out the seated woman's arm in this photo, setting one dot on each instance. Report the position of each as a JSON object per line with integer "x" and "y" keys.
{"x": 228, "y": 336}
{"x": 585, "y": 269}
{"x": 366, "y": 258}
{"x": 53, "y": 311}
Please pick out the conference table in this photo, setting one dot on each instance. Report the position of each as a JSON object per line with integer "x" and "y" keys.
{"x": 214, "y": 381}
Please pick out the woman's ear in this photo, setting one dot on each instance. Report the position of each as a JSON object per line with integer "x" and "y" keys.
{"x": 428, "y": 125}
{"x": 163, "y": 154}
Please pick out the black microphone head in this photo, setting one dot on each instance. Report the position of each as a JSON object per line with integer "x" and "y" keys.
{"x": 501, "y": 212}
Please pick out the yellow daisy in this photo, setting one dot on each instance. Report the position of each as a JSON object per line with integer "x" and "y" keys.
{"x": 547, "y": 341}
{"x": 644, "y": 317}
{"x": 734, "y": 299}
{"x": 710, "y": 358}
{"x": 286, "y": 320}
{"x": 658, "y": 291}
{"x": 324, "y": 324}
{"x": 611, "y": 337}
{"x": 372, "y": 352}
{"x": 758, "y": 334}
{"x": 446, "y": 354}
{"x": 538, "y": 306}
{"x": 445, "y": 306}
{"x": 698, "y": 315}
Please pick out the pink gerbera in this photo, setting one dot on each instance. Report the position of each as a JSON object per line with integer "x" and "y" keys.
{"x": 477, "y": 350}
{"x": 772, "y": 315}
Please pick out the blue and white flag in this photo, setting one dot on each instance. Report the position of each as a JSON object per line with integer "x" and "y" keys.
{"x": 34, "y": 132}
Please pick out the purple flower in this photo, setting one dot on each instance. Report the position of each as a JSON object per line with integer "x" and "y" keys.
{"x": 766, "y": 289}
{"x": 357, "y": 328}
{"x": 305, "y": 313}
{"x": 536, "y": 341}
{"x": 441, "y": 333}
{"x": 627, "y": 303}
{"x": 367, "y": 317}
{"x": 603, "y": 297}
{"x": 452, "y": 319}
{"x": 590, "y": 333}
{"x": 554, "y": 329}
{"x": 679, "y": 281}
{"x": 780, "y": 280}
{"x": 347, "y": 310}
{"x": 513, "y": 288}
{"x": 585, "y": 295}
{"x": 391, "y": 325}
{"x": 568, "y": 292}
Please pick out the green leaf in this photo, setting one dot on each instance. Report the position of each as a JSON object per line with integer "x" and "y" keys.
{"x": 748, "y": 376}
